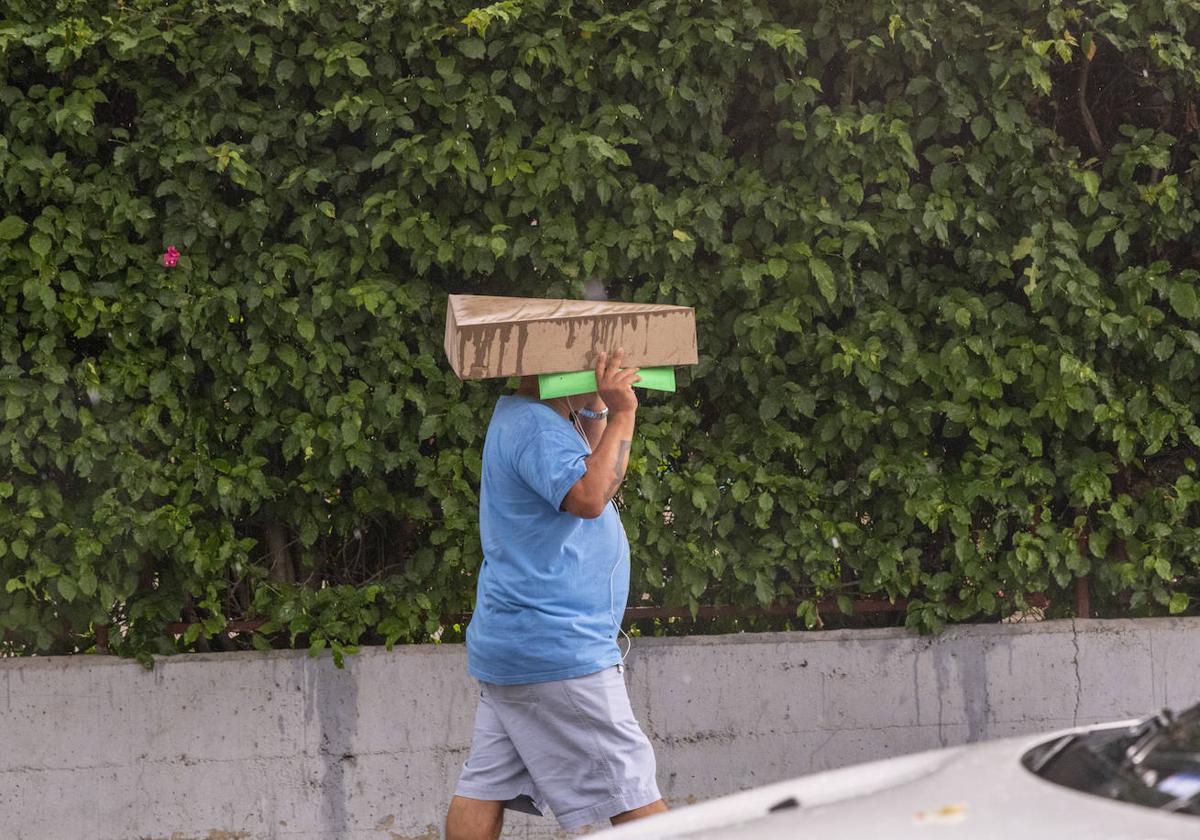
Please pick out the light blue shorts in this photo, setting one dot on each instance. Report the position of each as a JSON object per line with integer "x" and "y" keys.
{"x": 568, "y": 746}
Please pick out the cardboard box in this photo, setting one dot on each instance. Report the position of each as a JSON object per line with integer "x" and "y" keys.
{"x": 507, "y": 336}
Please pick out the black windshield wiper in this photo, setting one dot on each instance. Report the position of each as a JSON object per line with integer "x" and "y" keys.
{"x": 1147, "y": 734}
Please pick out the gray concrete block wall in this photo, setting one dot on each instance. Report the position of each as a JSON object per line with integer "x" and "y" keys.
{"x": 282, "y": 745}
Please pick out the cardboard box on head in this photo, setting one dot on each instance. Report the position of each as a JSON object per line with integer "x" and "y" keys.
{"x": 488, "y": 337}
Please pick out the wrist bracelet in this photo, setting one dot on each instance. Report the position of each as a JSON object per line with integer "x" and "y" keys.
{"x": 588, "y": 414}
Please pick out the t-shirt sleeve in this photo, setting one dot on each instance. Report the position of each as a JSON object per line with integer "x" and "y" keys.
{"x": 551, "y": 461}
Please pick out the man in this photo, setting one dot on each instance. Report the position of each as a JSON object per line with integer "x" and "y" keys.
{"x": 554, "y": 728}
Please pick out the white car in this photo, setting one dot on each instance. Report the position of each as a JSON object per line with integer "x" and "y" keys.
{"x": 1133, "y": 780}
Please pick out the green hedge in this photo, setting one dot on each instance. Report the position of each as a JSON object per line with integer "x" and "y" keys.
{"x": 943, "y": 257}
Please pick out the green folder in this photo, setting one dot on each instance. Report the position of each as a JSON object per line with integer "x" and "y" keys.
{"x": 584, "y": 382}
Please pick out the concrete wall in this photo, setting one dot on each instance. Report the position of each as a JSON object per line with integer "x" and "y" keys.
{"x": 281, "y": 745}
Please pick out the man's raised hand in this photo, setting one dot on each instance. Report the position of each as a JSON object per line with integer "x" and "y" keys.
{"x": 614, "y": 384}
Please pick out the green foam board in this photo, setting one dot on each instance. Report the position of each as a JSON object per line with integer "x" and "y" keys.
{"x": 553, "y": 385}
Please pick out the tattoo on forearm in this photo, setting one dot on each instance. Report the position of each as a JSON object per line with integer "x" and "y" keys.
{"x": 620, "y": 464}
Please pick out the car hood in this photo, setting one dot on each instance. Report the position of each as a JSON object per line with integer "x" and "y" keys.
{"x": 979, "y": 791}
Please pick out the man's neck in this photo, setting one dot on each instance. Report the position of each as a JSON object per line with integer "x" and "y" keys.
{"x": 560, "y": 404}
{"x": 530, "y": 389}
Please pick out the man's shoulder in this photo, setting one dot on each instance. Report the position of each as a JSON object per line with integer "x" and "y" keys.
{"x": 514, "y": 422}
{"x": 523, "y": 413}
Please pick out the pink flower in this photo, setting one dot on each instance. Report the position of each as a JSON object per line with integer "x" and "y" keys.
{"x": 171, "y": 257}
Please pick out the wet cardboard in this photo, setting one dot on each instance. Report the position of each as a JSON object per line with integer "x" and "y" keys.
{"x": 489, "y": 336}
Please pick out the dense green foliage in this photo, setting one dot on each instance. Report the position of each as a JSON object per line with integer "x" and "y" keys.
{"x": 943, "y": 256}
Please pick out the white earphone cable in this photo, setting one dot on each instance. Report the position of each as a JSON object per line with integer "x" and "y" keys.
{"x": 612, "y": 595}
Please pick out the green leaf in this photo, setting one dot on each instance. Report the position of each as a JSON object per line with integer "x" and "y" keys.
{"x": 11, "y": 227}
{"x": 1162, "y": 566}
{"x": 40, "y": 244}
{"x": 306, "y": 328}
{"x": 357, "y": 66}
{"x": 682, "y": 236}
{"x": 88, "y": 583}
{"x": 67, "y": 588}
{"x": 349, "y": 431}
{"x": 906, "y": 144}
{"x": 430, "y": 425}
{"x": 285, "y": 69}
{"x": 1121, "y": 241}
{"x": 472, "y": 48}
{"x": 1091, "y": 182}
{"x": 823, "y": 274}
{"x": 1179, "y": 603}
{"x": 768, "y": 408}
{"x": 1183, "y": 299}
{"x": 1023, "y": 248}
{"x": 981, "y": 127}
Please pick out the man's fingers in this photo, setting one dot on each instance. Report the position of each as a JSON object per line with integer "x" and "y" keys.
{"x": 608, "y": 365}
{"x": 616, "y": 359}
{"x": 610, "y": 374}
{"x": 624, "y": 373}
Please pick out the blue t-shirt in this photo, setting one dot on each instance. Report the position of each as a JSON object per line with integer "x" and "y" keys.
{"x": 553, "y": 586}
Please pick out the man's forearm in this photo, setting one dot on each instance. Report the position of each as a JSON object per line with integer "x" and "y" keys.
{"x": 594, "y": 429}
{"x": 610, "y": 458}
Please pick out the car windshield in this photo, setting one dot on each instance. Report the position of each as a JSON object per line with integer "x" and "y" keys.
{"x": 1155, "y": 763}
